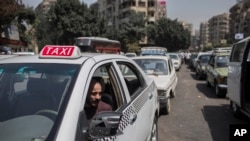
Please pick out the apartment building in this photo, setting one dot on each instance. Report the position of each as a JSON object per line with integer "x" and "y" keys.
{"x": 118, "y": 11}
{"x": 240, "y": 18}
{"x": 204, "y": 34}
{"x": 188, "y": 26}
{"x": 218, "y": 29}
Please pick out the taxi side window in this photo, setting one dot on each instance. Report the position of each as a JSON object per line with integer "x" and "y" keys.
{"x": 132, "y": 77}
{"x": 211, "y": 61}
{"x": 109, "y": 96}
{"x": 237, "y": 52}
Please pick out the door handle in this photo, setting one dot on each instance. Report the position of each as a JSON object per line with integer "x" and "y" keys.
{"x": 132, "y": 118}
{"x": 150, "y": 96}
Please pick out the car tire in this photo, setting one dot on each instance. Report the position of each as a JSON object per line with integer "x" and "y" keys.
{"x": 217, "y": 90}
{"x": 235, "y": 109}
{"x": 154, "y": 131}
{"x": 199, "y": 76}
{"x": 166, "y": 110}
{"x": 207, "y": 83}
{"x": 172, "y": 94}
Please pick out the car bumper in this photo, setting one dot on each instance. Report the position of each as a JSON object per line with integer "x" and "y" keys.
{"x": 222, "y": 86}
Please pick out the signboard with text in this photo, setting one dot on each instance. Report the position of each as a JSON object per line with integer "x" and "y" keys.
{"x": 239, "y": 36}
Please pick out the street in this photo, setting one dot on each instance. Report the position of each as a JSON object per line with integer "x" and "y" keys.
{"x": 196, "y": 113}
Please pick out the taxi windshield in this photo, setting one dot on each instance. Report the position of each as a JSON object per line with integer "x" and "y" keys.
{"x": 153, "y": 66}
{"x": 222, "y": 61}
{"x": 31, "y": 96}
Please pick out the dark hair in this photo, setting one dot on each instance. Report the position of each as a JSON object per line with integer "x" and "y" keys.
{"x": 98, "y": 79}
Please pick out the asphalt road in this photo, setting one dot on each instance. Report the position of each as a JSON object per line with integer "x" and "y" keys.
{"x": 196, "y": 113}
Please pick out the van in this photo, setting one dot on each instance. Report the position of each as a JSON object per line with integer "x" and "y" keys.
{"x": 239, "y": 78}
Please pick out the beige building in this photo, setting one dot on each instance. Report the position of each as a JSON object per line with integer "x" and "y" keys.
{"x": 188, "y": 26}
{"x": 240, "y": 18}
{"x": 204, "y": 34}
{"x": 218, "y": 29}
{"x": 117, "y": 11}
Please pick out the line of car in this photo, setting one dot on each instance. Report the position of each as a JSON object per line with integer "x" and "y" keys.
{"x": 160, "y": 65}
{"x": 227, "y": 71}
{"x": 212, "y": 66}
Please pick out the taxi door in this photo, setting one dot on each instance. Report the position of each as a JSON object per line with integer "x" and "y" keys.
{"x": 139, "y": 112}
{"x": 234, "y": 73}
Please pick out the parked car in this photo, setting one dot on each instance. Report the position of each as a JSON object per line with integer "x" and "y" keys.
{"x": 130, "y": 54}
{"x": 162, "y": 71}
{"x": 217, "y": 71}
{"x": 239, "y": 78}
{"x": 153, "y": 50}
{"x": 191, "y": 60}
{"x": 24, "y": 53}
{"x": 201, "y": 65}
{"x": 176, "y": 60}
{"x": 50, "y": 103}
{"x": 7, "y": 56}
{"x": 195, "y": 60}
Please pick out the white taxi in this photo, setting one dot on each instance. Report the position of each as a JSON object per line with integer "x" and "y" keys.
{"x": 162, "y": 71}
{"x": 48, "y": 103}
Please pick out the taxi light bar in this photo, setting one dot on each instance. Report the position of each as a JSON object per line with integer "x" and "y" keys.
{"x": 55, "y": 51}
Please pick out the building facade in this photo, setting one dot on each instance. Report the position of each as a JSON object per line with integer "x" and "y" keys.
{"x": 204, "y": 35}
{"x": 240, "y": 18}
{"x": 118, "y": 11}
{"x": 219, "y": 29}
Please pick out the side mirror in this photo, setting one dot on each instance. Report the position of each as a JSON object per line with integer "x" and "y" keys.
{"x": 105, "y": 124}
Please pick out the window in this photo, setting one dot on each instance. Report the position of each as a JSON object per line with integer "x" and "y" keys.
{"x": 29, "y": 88}
{"x": 132, "y": 77}
{"x": 110, "y": 95}
{"x": 141, "y": 4}
{"x": 237, "y": 52}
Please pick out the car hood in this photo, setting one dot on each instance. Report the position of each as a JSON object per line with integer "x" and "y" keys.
{"x": 222, "y": 71}
{"x": 162, "y": 81}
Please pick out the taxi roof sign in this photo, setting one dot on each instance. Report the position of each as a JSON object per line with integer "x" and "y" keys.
{"x": 57, "y": 51}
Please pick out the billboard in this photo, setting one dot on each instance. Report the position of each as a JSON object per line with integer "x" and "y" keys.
{"x": 161, "y": 2}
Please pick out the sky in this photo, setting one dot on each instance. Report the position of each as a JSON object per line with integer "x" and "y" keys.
{"x": 191, "y": 11}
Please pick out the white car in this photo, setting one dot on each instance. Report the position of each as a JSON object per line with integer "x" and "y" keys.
{"x": 48, "y": 104}
{"x": 130, "y": 54}
{"x": 162, "y": 71}
{"x": 238, "y": 81}
{"x": 176, "y": 60}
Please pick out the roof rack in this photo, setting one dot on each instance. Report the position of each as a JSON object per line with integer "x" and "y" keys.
{"x": 222, "y": 50}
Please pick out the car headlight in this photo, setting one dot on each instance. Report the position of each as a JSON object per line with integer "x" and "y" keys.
{"x": 222, "y": 80}
{"x": 203, "y": 67}
{"x": 161, "y": 92}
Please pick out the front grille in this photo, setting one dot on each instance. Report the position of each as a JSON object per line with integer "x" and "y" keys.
{"x": 161, "y": 92}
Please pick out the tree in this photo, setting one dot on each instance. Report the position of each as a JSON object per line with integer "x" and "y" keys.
{"x": 9, "y": 9}
{"x": 132, "y": 31}
{"x": 26, "y": 19}
{"x": 168, "y": 33}
{"x": 70, "y": 19}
